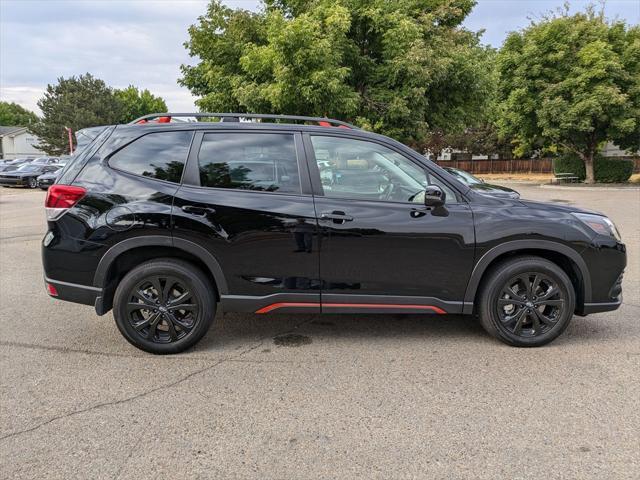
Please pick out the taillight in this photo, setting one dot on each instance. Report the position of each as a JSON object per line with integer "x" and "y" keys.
{"x": 60, "y": 198}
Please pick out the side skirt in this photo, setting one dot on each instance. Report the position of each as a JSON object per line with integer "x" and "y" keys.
{"x": 336, "y": 303}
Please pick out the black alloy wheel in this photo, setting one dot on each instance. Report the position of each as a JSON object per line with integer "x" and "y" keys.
{"x": 164, "y": 305}
{"x": 162, "y": 309}
{"x": 526, "y": 301}
{"x": 530, "y": 304}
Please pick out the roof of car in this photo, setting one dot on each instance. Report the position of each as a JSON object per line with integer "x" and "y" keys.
{"x": 340, "y": 128}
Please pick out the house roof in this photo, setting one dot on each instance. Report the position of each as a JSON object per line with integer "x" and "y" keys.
{"x": 11, "y": 130}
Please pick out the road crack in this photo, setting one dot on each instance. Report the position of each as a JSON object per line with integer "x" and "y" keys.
{"x": 146, "y": 393}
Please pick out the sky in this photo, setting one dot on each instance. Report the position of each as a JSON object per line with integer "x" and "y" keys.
{"x": 140, "y": 42}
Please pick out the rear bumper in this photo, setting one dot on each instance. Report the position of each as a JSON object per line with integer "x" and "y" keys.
{"x": 72, "y": 292}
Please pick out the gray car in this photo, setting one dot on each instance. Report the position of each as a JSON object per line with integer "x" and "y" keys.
{"x": 480, "y": 186}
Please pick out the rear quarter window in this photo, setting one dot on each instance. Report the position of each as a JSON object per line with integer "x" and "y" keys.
{"x": 159, "y": 155}
{"x": 80, "y": 159}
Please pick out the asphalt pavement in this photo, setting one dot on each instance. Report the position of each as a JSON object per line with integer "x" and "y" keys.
{"x": 310, "y": 396}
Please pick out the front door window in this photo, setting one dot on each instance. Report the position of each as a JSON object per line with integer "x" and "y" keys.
{"x": 362, "y": 170}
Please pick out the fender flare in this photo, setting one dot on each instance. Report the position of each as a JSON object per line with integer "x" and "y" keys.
{"x": 100, "y": 277}
{"x": 484, "y": 262}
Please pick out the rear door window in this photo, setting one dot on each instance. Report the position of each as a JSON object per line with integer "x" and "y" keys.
{"x": 249, "y": 161}
{"x": 159, "y": 155}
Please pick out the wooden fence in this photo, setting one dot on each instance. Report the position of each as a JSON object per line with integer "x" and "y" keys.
{"x": 518, "y": 165}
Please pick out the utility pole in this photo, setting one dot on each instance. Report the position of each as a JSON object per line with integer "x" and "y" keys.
{"x": 69, "y": 132}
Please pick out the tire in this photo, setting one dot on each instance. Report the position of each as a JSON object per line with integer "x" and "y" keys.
{"x": 33, "y": 182}
{"x": 148, "y": 297}
{"x": 526, "y": 301}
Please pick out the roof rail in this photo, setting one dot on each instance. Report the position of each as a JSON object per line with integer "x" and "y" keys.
{"x": 235, "y": 117}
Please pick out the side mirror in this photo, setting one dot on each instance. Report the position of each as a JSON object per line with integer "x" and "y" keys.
{"x": 434, "y": 196}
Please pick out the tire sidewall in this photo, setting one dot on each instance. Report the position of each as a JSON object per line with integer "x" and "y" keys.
{"x": 192, "y": 277}
{"x": 507, "y": 272}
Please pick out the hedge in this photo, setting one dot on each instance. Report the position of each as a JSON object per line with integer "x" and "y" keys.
{"x": 606, "y": 169}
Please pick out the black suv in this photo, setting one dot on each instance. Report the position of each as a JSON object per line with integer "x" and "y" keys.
{"x": 166, "y": 221}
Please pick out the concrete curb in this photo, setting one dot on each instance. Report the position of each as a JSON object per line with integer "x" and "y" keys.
{"x": 562, "y": 187}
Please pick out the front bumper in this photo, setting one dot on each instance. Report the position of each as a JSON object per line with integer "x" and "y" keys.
{"x": 45, "y": 183}
{"x": 606, "y": 260}
{"x": 590, "y": 308}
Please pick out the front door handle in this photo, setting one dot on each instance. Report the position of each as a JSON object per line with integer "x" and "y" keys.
{"x": 336, "y": 216}
{"x": 197, "y": 210}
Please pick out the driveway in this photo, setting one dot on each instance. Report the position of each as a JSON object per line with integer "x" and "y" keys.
{"x": 305, "y": 396}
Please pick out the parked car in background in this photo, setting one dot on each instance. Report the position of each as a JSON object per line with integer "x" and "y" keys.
{"x": 481, "y": 186}
{"x": 25, "y": 175}
{"x": 45, "y": 161}
{"x": 11, "y": 165}
{"x": 49, "y": 178}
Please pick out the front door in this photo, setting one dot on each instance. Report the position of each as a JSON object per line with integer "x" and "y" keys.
{"x": 246, "y": 199}
{"x": 381, "y": 248}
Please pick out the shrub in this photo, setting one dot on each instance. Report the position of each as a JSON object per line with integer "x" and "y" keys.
{"x": 612, "y": 170}
{"x": 570, "y": 163}
{"x": 606, "y": 169}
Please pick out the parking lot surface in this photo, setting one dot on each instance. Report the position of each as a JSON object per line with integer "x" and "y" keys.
{"x": 309, "y": 396}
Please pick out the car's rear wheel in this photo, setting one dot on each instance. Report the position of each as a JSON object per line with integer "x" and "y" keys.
{"x": 164, "y": 306}
{"x": 526, "y": 301}
{"x": 33, "y": 182}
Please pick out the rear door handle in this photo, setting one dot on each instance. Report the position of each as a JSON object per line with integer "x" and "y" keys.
{"x": 336, "y": 216}
{"x": 197, "y": 210}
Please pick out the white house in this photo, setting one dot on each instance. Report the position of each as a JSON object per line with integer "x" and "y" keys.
{"x": 17, "y": 142}
{"x": 611, "y": 150}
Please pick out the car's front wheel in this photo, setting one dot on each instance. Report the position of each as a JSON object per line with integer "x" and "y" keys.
{"x": 164, "y": 306}
{"x": 33, "y": 182}
{"x": 526, "y": 301}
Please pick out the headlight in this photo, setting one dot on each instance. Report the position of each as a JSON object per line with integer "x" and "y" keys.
{"x": 599, "y": 224}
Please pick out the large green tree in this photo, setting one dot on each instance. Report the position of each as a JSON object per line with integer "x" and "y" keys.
{"x": 75, "y": 102}
{"x": 135, "y": 103}
{"x": 573, "y": 82}
{"x": 12, "y": 114}
{"x": 402, "y": 68}
{"x": 86, "y": 101}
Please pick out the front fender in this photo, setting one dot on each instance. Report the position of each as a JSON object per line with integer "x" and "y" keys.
{"x": 523, "y": 245}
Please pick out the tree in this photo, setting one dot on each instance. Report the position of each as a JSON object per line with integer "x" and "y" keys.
{"x": 573, "y": 82}
{"x": 12, "y": 114}
{"x": 401, "y": 68}
{"x": 135, "y": 103}
{"x": 75, "y": 102}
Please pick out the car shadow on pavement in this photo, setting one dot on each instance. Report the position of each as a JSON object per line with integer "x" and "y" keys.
{"x": 245, "y": 328}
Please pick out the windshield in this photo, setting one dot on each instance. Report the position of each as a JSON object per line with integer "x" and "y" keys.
{"x": 466, "y": 177}
{"x": 41, "y": 161}
{"x": 28, "y": 168}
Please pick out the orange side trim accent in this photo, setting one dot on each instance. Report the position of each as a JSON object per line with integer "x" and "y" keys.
{"x": 275, "y": 306}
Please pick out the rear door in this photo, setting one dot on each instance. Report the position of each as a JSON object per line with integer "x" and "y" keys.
{"x": 381, "y": 248}
{"x": 246, "y": 197}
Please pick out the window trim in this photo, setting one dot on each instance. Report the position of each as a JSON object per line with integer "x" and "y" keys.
{"x": 108, "y": 158}
{"x": 191, "y": 175}
{"x": 318, "y": 189}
